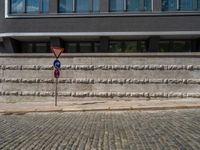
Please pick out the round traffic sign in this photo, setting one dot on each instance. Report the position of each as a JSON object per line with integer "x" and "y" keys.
{"x": 56, "y": 73}
{"x": 57, "y": 64}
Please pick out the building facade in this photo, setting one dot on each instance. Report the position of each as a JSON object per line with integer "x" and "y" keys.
{"x": 101, "y": 26}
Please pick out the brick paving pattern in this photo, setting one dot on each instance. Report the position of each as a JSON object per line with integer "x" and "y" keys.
{"x": 128, "y": 130}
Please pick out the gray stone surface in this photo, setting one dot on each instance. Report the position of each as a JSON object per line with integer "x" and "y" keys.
{"x": 152, "y": 130}
{"x": 91, "y": 76}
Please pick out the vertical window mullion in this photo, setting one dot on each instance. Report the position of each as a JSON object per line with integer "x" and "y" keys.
{"x": 40, "y": 5}
{"x": 74, "y": 5}
{"x": 178, "y": 4}
{"x": 24, "y": 6}
{"x": 90, "y": 6}
{"x": 125, "y": 5}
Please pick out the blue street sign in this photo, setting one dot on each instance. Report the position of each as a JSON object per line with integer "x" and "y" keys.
{"x": 57, "y": 64}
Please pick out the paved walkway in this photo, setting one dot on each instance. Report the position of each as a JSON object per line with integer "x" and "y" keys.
{"x": 123, "y": 130}
{"x": 91, "y": 105}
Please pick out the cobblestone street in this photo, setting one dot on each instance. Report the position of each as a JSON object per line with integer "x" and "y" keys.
{"x": 126, "y": 130}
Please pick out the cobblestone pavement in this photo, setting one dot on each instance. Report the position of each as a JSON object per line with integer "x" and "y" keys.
{"x": 170, "y": 130}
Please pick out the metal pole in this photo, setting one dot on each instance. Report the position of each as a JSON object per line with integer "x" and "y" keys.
{"x": 56, "y": 92}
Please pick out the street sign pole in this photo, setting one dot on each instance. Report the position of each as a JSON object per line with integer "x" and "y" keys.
{"x": 57, "y": 65}
{"x": 56, "y": 92}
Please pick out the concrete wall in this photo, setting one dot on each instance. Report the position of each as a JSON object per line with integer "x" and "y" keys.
{"x": 94, "y": 76}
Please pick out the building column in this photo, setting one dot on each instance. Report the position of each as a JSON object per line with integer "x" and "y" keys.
{"x": 154, "y": 44}
{"x": 104, "y": 6}
{"x": 11, "y": 45}
{"x": 56, "y": 42}
{"x": 1, "y": 47}
{"x": 53, "y": 6}
{"x": 157, "y": 5}
{"x": 104, "y": 44}
{"x": 198, "y": 45}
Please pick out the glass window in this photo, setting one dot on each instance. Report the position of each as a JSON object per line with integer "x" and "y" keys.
{"x": 32, "y": 6}
{"x": 71, "y": 47}
{"x": 17, "y": 6}
{"x": 82, "y": 5}
{"x": 186, "y": 5}
{"x": 29, "y": 6}
{"x": 66, "y": 6}
{"x": 96, "y": 47}
{"x": 85, "y": 47}
{"x": 181, "y": 46}
{"x": 34, "y": 47}
{"x": 141, "y": 46}
{"x": 175, "y": 46}
{"x": 133, "y": 5}
{"x": 178, "y": 46}
{"x": 26, "y": 47}
{"x": 130, "y": 47}
{"x": 115, "y": 47}
{"x": 96, "y": 5}
{"x": 127, "y": 46}
{"x": 45, "y": 5}
{"x": 116, "y": 5}
{"x": 147, "y": 5}
{"x": 169, "y": 5}
{"x": 164, "y": 46}
{"x": 41, "y": 47}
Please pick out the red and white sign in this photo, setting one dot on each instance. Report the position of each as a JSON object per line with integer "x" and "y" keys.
{"x": 56, "y": 73}
{"x": 57, "y": 51}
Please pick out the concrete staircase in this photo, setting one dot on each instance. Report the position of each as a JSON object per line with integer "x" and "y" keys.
{"x": 111, "y": 76}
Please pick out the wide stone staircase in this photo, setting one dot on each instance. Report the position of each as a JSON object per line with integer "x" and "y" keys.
{"x": 30, "y": 77}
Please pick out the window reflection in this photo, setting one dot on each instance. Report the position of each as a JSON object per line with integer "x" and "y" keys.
{"x": 69, "y": 6}
{"x": 35, "y": 47}
{"x": 147, "y": 5}
{"x": 66, "y": 6}
{"x": 127, "y": 46}
{"x": 175, "y": 46}
{"x": 29, "y": 6}
{"x": 133, "y": 5}
{"x": 96, "y": 5}
{"x": 17, "y": 6}
{"x": 169, "y": 5}
{"x": 186, "y": 5}
{"x": 198, "y": 4}
{"x": 45, "y": 5}
{"x": 174, "y": 5}
{"x": 82, "y": 5}
{"x": 129, "y": 5}
{"x": 116, "y": 5}
{"x": 32, "y": 6}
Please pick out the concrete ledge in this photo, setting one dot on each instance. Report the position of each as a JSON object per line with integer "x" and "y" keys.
{"x": 21, "y": 108}
{"x": 102, "y": 67}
